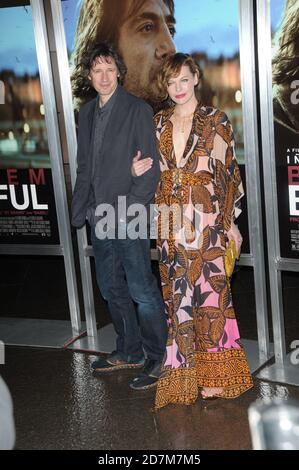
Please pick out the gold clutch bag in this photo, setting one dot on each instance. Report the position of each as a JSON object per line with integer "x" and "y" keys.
{"x": 230, "y": 256}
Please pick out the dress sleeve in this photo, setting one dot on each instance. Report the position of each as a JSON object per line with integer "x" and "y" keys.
{"x": 228, "y": 179}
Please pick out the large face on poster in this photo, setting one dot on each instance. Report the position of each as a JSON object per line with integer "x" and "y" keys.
{"x": 27, "y": 205}
{"x": 145, "y": 31}
{"x": 285, "y": 24}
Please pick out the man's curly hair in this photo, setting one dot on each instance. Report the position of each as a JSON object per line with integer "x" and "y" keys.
{"x": 99, "y": 21}
{"x": 286, "y": 58}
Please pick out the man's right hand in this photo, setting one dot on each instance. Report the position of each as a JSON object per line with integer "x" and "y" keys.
{"x": 139, "y": 167}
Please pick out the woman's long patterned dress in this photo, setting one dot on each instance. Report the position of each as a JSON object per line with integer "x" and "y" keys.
{"x": 203, "y": 347}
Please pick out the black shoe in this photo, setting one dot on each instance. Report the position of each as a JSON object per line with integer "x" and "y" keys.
{"x": 149, "y": 375}
{"x": 115, "y": 362}
{"x": 144, "y": 382}
{"x": 152, "y": 367}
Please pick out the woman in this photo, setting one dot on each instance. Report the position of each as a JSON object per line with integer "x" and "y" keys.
{"x": 200, "y": 181}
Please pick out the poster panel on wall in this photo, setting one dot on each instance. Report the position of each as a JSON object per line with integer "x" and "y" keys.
{"x": 285, "y": 73}
{"x": 27, "y": 203}
{"x": 146, "y": 31}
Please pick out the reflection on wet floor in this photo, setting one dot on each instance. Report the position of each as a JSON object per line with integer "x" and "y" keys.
{"x": 272, "y": 390}
{"x": 60, "y": 404}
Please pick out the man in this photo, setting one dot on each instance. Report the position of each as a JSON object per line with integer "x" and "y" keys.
{"x": 142, "y": 31}
{"x": 112, "y": 128}
{"x": 286, "y": 70}
{"x": 286, "y": 114}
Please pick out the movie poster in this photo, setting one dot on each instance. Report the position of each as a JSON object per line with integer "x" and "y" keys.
{"x": 285, "y": 70}
{"x": 145, "y": 31}
{"x": 27, "y": 203}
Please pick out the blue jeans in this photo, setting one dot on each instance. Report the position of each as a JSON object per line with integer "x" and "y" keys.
{"x": 124, "y": 275}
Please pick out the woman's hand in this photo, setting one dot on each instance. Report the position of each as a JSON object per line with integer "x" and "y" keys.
{"x": 234, "y": 234}
{"x": 139, "y": 167}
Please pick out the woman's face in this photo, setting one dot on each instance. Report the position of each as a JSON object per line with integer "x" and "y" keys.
{"x": 181, "y": 87}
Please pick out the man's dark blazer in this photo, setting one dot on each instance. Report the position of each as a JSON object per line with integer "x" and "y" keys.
{"x": 130, "y": 128}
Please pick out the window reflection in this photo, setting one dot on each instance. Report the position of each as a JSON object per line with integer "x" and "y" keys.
{"x": 23, "y": 136}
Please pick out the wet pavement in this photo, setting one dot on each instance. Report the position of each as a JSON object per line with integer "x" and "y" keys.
{"x": 60, "y": 404}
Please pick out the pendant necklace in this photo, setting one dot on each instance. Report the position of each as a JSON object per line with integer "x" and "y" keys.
{"x": 183, "y": 120}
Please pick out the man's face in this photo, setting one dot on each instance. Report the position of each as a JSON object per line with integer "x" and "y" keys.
{"x": 145, "y": 39}
{"x": 103, "y": 76}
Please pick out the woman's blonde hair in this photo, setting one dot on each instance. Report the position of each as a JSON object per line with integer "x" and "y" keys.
{"x": 171, "y": 67}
